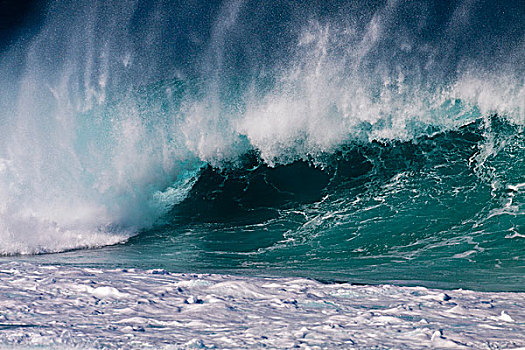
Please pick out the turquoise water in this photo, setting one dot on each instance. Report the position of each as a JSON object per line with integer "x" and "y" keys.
{"x": 335, "y": 142}
{"x": 414, "y": 213}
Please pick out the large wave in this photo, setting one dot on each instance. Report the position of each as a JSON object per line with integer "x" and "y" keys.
{"x": 111, "y": 110}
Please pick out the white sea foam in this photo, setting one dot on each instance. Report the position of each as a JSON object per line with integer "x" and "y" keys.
{"x": 54, "y": 306}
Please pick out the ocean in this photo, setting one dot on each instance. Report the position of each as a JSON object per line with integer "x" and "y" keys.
{"x": 316, "y": 145}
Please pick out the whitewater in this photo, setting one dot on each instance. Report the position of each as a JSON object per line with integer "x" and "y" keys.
{"x": 68, "y": 307}
{"x": 277, "y": 174}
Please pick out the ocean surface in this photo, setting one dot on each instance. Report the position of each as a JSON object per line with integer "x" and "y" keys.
{"x": 239, "y": 174}
{"x": 377, "y": 143}
{"x": 64, "y": 307}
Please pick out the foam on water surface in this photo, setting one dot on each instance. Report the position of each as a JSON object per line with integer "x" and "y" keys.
{"x": 66, "y": 307}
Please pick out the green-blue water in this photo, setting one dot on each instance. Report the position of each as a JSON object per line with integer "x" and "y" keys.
{"x": 418, "y": 212}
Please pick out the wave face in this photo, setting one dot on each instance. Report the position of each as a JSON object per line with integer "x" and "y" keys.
{"x": 379, "y": 142}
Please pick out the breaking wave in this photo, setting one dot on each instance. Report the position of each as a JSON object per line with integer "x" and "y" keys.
{"x": 118, "y": 115}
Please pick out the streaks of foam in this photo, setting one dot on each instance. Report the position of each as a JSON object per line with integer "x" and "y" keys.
{"x": 130, "y": 309}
